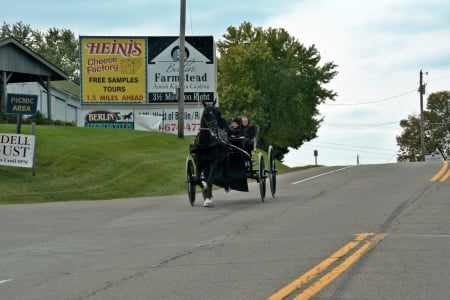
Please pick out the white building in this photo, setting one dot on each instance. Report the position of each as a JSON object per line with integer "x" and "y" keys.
{"x": 65, "y": 98}
{"x": 23, "y": 71}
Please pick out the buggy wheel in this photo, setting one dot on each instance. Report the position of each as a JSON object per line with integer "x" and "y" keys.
{"x": 262, "y": 177}
{"x": 190, "y": 180}
{"x": 272, "y": 172}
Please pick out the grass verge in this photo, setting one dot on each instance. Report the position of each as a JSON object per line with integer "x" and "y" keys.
{"x": 74, "y": 163}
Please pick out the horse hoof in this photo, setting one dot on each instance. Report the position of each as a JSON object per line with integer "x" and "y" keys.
{"x": 204, "y": 185}
{"x": 227, "y": 189}
{"x": 208, "y": 203}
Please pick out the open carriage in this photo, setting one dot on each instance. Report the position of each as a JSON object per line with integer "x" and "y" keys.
{"x": 217, "y": 159}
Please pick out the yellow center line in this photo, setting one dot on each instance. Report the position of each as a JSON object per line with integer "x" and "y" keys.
{"x": 446, "y": 176}
{"x": 441, "y": 172}
{"x": 297, "y": 283}
{"x": 333, "y": 274}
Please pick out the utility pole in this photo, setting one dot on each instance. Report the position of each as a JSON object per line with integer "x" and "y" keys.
{"x": 422, "y": 134}
{"x": 181, "y": 60}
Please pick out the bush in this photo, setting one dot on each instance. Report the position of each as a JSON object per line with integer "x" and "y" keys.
{"x": 38, "y": 118}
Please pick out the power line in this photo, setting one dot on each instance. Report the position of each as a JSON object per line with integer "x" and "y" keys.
{"x": 356, "y": 150}
{"x": 353, "y": 148}
{"x": 375, "y": 101}
{"x": 360, "y": 125}
{"x": 391, "y": 114}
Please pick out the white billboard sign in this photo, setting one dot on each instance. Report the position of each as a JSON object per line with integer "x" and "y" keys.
{"x": 163, "y": 69}
{"x": 17, "y": 150}
{"x": 169, "y": 119}
{"x": 152, "y": 119}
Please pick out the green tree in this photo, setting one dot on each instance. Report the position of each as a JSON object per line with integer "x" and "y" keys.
{"x": 409, "y": 140}
{"x": 278, "y": 82}
{"x": 61, "y": 48}
{"x": 436, "y": 129}
{"x": 58, "y": 46}
{"x": 438, "y": 122}
{"x": 21, "y": 32}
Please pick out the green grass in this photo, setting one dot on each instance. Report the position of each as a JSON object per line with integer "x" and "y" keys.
{"x": 74, "y": 163}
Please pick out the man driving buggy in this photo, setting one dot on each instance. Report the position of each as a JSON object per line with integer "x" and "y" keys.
{"x": 248, "y": 132}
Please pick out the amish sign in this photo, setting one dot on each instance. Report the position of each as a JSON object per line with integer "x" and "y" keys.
{"x": 17, "y": 150}
{"x": 163, "y": 69}
{"x": 21, "y": 104}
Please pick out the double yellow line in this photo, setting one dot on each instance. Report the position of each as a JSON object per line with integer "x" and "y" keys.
{"x": 442, "y": 173}
{"x": 365, "y": 241}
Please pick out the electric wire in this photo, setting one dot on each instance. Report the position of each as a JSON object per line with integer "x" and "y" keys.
{"x": 388, "y": 121}
{"x": 374, "y": 101}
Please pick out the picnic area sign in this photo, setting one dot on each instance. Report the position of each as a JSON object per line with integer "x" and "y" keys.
{"x": 21, "y": 104}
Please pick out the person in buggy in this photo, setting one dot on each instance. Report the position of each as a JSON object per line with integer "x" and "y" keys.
{"x": 248, "y": 133}
{"x": 235, "y": 128}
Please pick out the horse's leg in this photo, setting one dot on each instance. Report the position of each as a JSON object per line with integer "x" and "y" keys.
{"x": 201, "y": 173}
{"x": 226, "y": 163}
{"x": 204, "y": 184}
{"x": 207, "y": 191}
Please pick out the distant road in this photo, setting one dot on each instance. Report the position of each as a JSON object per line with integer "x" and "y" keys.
{"x": 344, "y": 232}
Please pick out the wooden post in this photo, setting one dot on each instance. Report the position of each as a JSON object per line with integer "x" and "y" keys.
{"x": 33, "y": 132}
{"x": 49, "y": 100}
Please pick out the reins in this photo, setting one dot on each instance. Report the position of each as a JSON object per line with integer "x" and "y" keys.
{"x": 227, "y": 142}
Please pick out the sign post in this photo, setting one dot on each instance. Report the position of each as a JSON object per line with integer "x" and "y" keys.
{"x": 181, "y": 61}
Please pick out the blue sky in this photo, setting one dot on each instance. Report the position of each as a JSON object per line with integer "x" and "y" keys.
{"x": 379, "y": 47}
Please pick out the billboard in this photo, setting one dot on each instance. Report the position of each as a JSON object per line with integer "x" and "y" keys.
{"x": 163, "y": 69}
{"x": 155, "y": 119}
{"x": 17, "y": 150}
{"x": 131, "y": 82}
{"x": 113, "y": 70}
{"x": 142, "y": 70}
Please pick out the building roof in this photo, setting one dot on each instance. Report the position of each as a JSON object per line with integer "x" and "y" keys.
{"x": 24, "y": 64}
{"x": 67, "y": 86}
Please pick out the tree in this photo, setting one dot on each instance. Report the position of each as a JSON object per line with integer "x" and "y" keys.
{"x": 436, "y": 130}
{"x": 61, "y": 48}
{"x": 58, "y": 46}
{"x": 21, "y": 32}
{"x": 278, "y": 82}
{"x": 409, "y": 140}
{"x": 438, "y": 125}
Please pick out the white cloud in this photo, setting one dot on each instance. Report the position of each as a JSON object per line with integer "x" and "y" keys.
{"x": 379, "y": 46}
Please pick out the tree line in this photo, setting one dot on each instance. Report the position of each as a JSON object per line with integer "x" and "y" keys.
{"x": 58, "y": 46}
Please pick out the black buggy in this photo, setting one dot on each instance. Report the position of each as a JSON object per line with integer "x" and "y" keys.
{"x": 217, "y": 159}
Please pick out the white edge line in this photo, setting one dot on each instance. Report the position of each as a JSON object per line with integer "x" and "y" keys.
{"x": 306, "y": 179}
{"x": 5, "y": 281}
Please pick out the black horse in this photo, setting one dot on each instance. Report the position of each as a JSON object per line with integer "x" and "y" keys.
{"x": 210, "y": 151}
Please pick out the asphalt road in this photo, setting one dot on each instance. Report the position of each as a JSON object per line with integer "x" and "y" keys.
{"x": 359, "y": 232}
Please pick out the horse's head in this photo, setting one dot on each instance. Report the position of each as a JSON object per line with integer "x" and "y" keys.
{"x": 213, "y": 122}
{"x": 211, "y": 117}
